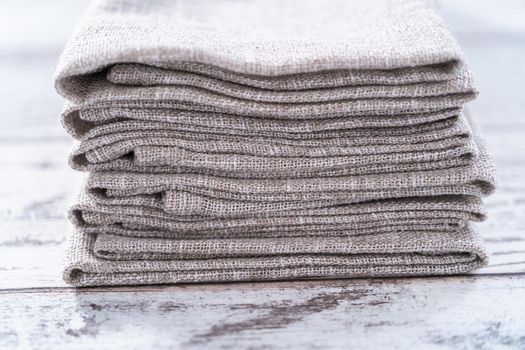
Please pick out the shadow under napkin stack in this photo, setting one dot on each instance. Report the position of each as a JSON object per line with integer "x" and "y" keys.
{"x": 265, "y": 140}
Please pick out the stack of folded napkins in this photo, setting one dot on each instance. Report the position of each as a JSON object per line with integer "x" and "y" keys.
{"x": 268, "y": 139}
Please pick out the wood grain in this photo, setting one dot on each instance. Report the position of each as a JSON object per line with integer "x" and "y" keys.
{"x": 482, "y": 311}
{"x": 432, "y": 313}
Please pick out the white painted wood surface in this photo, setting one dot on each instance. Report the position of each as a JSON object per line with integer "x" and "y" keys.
{"x": 435, "y": 313}
{"x": 485, "y": 311}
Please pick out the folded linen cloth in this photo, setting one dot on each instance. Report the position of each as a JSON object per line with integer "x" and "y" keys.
{"x": 93, "y": 215}
{"x": 153, "y": 261}
{"x": 263, "y": 140}
{"x": 80, "y": 122}
{"x": 134, "y": 228}
{"x": 202, "y": 194}
{"x": 265, "y": 38}
{"x": 160, "y": 147}
{"x": 296, "y": 62}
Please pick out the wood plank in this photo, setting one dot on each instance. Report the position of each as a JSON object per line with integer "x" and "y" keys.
{"x": 33, "y": 207}
{"x": 484, "y": 311}
{"x": 432, "y": 313}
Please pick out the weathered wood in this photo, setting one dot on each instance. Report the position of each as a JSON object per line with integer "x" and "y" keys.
{"x": 433, "y": 313}
{"x": 485, "y": 311}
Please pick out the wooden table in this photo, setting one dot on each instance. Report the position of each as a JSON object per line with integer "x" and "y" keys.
{"x": 37, "y": 310}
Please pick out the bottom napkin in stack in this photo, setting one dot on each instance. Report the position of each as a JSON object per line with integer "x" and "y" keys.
{"x": 110, "y": 260}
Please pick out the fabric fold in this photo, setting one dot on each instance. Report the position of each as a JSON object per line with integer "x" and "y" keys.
{"x": 267, "y": 140}
{"x": 96, "y": 260}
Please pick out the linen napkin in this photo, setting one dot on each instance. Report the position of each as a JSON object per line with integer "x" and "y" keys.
{"x": 264, "y": 140}
{"x": 156, "y": 261}
{"x": 166, "y": 147}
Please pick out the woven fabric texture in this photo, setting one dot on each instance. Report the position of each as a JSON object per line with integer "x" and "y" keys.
{"x": 264, "y": 140}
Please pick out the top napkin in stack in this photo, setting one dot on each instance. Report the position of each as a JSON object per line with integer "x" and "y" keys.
{"x": 233, "y": 140}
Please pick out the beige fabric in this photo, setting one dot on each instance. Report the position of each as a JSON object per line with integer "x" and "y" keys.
{"x": 156, "y": 189}
{"x": 161, "y": 147}
{"x": 235, "y": 61}
{"x": 261, "y": 140}
{"x": 399, "y": 254}
{"x": 92, "y": 215}
{"x": 80, "y": 122}
{"x": 264, "y": 38}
